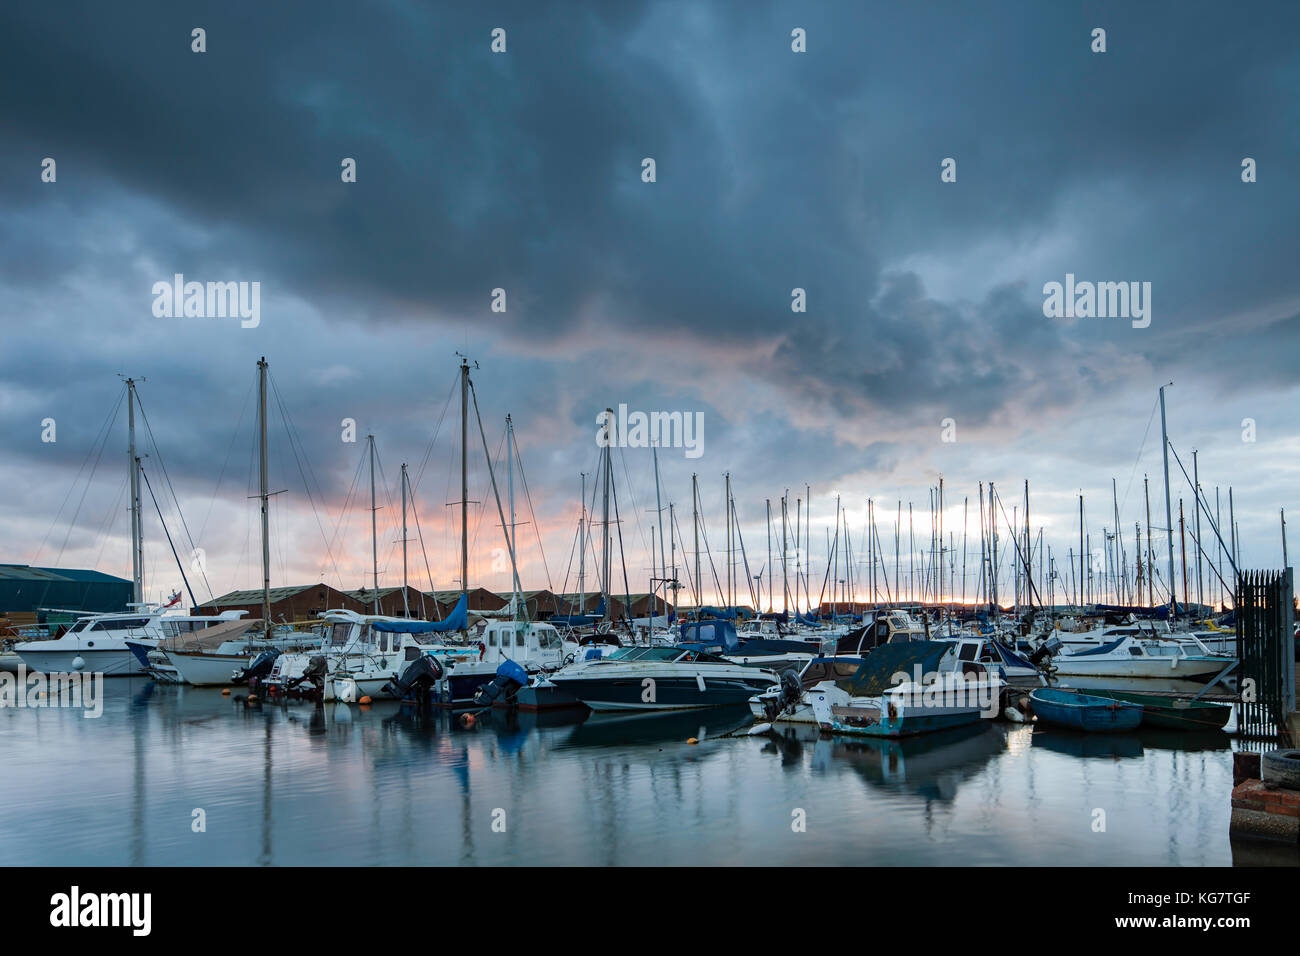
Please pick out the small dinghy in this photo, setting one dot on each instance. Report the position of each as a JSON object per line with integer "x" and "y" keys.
{"x": 1173, "y": 713}
{"x": 1083, "y": 712}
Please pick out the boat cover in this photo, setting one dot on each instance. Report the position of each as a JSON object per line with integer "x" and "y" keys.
{"x": 875, "y": 675}
{"x": 457, "y": 620}
{"x": 1103, "y": 649}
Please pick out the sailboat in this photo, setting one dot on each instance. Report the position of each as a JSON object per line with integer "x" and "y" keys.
{"x": 102, "y": 643}
{"x": 217, "y": 656}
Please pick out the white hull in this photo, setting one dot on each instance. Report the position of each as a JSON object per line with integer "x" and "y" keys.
{"x": 207, "y": 670}
{"x": 111, "y": 662}
{"x": 1180, "y": 668}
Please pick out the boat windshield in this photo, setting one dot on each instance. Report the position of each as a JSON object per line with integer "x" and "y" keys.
{"x": 820, "y": 669}
{"x": 338, "y": 634}
{"x": 120, "y": 624}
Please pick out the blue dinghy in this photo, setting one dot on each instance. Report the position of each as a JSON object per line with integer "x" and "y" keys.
{"x": 1084, "y": 712}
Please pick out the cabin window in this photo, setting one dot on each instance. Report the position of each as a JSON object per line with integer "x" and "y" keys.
{"x": 814, "y": 673}
{"x": 521, "y": 639}
{"x": 1135, "y": 651}
{"x": 120, "y": 625}
{"x": 338, "y": 634}
{"x": 967, "y": 652}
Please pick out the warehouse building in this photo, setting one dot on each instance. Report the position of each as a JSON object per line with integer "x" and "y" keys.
{"x": 28, "y": 590}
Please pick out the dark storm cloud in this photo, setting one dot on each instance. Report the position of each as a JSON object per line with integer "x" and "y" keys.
{"x": 522, "y": 171}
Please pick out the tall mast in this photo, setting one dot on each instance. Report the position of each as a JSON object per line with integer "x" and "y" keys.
{"x": 807, "y": 571}
{"x": 785, "y": 570}
{"x": 672, "y": 550}
{"x": 605, "y": 558}
{"x": 510, "y": 466}
{"x": 1151, "y": 569}
{"x": 464, "y": 478}
{"x": 582, "y": 547}
{"x": 1196, "y": 480}
{"x": 1182, "y": 539}
{"x": 659, "y": 518}
{"x": 406, "y": 604}
{"x": 1169, "y": 514}
{"x": 374, "y": 527}
{"x": 769, "y": 552}
{"x": 1082, "y": 594}
{"x": 264, "y": 492}
{"x": 695, "y": 520}
{"x": 137, "y": 535}
{"x": 727, "y": 507}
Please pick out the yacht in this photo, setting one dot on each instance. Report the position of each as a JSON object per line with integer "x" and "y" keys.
{"x": 214, "y": 657}
{"x": 116, "y": 644}
{"x": 662, "y": 678}
{"x": 1183, "y": 657}
{"x": 780, "y": 653}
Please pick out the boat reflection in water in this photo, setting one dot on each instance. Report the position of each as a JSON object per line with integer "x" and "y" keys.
{"x": 931, "y": 765}
{"x": 621, "y": 729}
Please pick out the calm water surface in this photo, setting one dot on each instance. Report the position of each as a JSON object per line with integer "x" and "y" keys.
{"x": 300, "y": 784}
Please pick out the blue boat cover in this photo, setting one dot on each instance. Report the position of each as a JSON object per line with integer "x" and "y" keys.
{"x": 513, "y": 670}
{"x": 1103, "y": 649}
{"x": 457, "y": 620}
{"x": 579, "y": 620}
{"x": 1011, "y": 658}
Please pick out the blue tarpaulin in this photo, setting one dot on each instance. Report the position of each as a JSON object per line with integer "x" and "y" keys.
{"x": 457, "y": 620}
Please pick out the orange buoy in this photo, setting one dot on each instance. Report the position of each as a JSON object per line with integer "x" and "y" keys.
{"x": 692, "y": 740}
{"x": 225, "y": 692}
{"x": 252, "y": 698}
{"x": 364, "y": 700}
{"x": 467, "y": 719}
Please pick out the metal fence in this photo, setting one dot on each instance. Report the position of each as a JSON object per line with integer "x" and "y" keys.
{"x": 1266, "y": 649}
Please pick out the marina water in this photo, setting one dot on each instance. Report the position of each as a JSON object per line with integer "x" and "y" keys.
{"x": 384, "y": 784}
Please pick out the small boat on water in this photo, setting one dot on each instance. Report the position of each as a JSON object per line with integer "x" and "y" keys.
{"x": 1083, "y": 711}
{"x": 875, "y": 703}
{"x": 1152, "y": 658}
{"x": 662, "y": 678}
{"x": 1170, "y": 712}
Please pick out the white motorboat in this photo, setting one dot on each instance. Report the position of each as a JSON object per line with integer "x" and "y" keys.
{"x": 359, "y": 657}
{"x": 214, "y": 657}
{"x": 1183, "y": 657}
{"x": 115, "y": 644}
{"x": 876, "y": 703}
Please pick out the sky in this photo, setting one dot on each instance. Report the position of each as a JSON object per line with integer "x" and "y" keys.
{"x": 922, "y": 351}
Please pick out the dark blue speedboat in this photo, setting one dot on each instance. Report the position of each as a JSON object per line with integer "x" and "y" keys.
{"x": 1083, "y": 712}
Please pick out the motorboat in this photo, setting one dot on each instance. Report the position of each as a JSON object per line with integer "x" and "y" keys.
{"x": 662, "y": 678}
{"x": 217, "y": 656}
{"x": 1183, "y": 658}
{"x": 881, "y": 700}
{"x": 719, "y": 637}
{"x": 116, "y": 644}
{"x": 361, "y": 654}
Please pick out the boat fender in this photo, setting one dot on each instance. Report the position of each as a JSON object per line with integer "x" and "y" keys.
{"x": 1015, "y": 716}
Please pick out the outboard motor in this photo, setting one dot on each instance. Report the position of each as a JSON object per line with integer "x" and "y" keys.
{"x": 791, "y": 692}
{"x": 420, "y": 675}
{"x": 259, "y": 668}
{"x": 510, "y": 677}
{"x": 1045, "y": 650}
{"x": 314, "y": 675}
